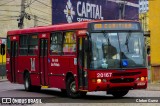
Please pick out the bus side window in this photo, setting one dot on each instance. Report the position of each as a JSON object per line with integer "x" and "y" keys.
{"x": 69, "y": 45}
{"x": 23, "y": 45}
{"x": 56, "y": 43}
{"x": 33, "y": 45}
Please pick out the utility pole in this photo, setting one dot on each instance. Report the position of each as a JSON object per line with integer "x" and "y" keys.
{"x": 22, "y": 15}
{"x": 25, "y": 15}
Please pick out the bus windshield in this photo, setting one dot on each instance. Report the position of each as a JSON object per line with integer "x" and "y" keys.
{"x": 117, "y": 50}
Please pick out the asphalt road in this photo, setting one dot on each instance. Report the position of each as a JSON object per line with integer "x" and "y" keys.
{"x": 8, "y": 89}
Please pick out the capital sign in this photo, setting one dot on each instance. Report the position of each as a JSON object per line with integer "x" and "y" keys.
{"x": 84, "y": 11}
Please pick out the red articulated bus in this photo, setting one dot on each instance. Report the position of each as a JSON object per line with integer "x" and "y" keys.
{"x": 77, "y": 58}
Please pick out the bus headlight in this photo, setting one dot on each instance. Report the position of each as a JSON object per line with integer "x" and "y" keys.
{"x": 142, "y": 78}
{"x": 99, "y": 80}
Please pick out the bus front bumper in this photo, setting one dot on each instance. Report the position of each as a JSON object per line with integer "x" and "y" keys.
{"x": 118, "y": 86}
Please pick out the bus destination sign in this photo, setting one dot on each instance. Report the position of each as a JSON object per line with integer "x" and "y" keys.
{"x": 116, "y": 26}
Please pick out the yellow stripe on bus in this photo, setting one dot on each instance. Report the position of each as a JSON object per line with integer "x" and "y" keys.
{"x": 44, "y": 87}
{"x": 84, "y": 90}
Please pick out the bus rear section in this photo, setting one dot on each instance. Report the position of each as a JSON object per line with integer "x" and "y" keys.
{"x": 79, "y": 57}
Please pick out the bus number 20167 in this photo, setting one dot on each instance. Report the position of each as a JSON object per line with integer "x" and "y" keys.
{"x": 100, "y": 75}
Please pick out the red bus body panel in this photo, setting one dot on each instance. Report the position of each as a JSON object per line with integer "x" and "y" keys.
{"x": 57, "y": 73}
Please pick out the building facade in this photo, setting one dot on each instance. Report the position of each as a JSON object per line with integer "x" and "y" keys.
{"x": 154, "y": 26}
{"x": 143, "y": 14}
{"x": 144, "y": 19}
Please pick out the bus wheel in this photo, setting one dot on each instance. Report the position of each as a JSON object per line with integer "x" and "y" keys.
{"x": 71, "y": 88}
{"x": 64, "y": 92}
{"x": 27, "y": 82}
{"x": 119, "y": 94}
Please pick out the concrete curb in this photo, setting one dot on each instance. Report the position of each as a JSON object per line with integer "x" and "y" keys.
{"x": 3, "y": 80}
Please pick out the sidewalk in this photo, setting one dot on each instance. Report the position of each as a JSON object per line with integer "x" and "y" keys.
{"x": 153, "y": 86}
{"x": 4, "y": 78}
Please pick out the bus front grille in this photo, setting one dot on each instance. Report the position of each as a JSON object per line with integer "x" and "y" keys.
{"x": 126, "y": 74}
{"x": 122, "y": 80}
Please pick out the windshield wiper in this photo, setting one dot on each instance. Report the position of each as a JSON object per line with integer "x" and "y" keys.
{"x": 107, "y": 37}
{"x": 127, "y": 40}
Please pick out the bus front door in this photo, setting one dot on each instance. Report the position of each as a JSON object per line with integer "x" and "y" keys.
{"x": 82, "y": 64}
{"x": 13, "y": 60}
{"x": 44, "y": 61}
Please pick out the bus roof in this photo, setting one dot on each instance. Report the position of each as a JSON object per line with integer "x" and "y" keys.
{"x": 60, "y": 27}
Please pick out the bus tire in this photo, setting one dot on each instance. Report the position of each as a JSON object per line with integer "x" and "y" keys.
{"x": 27, "y": 82}
{"x": 83, "y": 94}
{"x": 64, "y": 92}
{"x": 71, "y": 88}
{"x": 119, "y": 94}
{"x": 36, "y": 88}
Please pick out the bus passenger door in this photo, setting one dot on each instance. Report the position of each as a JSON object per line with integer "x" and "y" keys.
{"x": 44, "y": 61}
{"x": 81, "y": 64}
{"x": 13, "y": 60}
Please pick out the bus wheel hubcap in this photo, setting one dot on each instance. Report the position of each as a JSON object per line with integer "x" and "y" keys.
{"x": 73, "y": 87}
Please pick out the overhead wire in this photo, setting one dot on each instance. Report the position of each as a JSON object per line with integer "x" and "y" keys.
{"x": 37, "y": 9}
{"x": 9, "y": 5}
{"x": 31, "y": 14}
{"x": 40, "y": 21}
{"x": 4, "y": 15}
{"x": 44, "y": 4}
{"x": 42, "y": 18}
{"x": 6, "y": 3}
{"x": 10, "y": 11}
{"x": 40, "y": 10}
{"x": 31, "y": 2}
{"x": 43, "y": 22}
{"x": 8, "y": 20}
{"x": 28, "y": 5}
